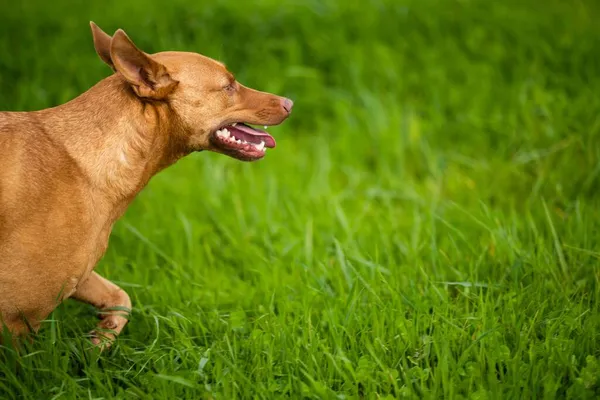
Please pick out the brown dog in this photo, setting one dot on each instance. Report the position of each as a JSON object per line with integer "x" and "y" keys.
{"x": 68, "y": 173}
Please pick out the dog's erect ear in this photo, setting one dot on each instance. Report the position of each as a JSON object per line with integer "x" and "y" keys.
{"x": 147, "y": 77}
{"x": 102, "y": 44}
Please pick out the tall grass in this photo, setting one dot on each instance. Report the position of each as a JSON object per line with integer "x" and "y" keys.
{"x": 427, "y": 226}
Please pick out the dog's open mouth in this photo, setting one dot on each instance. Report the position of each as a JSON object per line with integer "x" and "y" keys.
{"x": 242, "y": 141}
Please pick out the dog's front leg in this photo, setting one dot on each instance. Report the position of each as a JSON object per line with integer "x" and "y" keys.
{"x": 113, "y": 304}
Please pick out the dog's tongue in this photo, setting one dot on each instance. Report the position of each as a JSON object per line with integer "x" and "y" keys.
{"x": 251, "y": 135}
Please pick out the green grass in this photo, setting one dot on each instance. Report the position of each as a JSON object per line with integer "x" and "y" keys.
{"x": 428, "y": 226}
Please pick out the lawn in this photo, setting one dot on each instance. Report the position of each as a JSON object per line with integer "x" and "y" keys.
{"x": 427, "y": 227}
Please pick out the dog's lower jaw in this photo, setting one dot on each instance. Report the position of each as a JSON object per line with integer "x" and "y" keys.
{"x": 240, "y": 156}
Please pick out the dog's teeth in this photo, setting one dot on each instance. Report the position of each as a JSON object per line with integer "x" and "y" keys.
{"x": 234, "y": 124}
{"x": 226, "y": 133}
{"x": 239, "y": 141}
{"x": 260, "y": 146}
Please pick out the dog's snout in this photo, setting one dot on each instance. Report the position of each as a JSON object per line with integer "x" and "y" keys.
{"x": 287, "y": 104}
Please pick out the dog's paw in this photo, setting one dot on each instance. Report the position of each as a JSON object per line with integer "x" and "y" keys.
{"x": 102, "y": 339}
{"x": 112, "y": 322}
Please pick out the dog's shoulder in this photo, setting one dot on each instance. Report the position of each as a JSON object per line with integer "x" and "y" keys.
{"x": 33, "y": 165}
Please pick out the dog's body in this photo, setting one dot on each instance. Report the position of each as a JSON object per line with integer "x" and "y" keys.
{"x": 69, "y": 172}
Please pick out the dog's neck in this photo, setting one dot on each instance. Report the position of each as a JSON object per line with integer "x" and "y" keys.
{"x": 118, "y": 141}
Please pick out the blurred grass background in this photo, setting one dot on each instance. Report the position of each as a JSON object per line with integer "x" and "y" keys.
{"x": 427, "y": 226}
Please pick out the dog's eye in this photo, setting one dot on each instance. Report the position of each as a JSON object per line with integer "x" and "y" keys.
{"x": 230, "y": 88}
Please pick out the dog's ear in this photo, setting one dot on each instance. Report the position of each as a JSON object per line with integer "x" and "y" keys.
{"x": 102, "y": 44}
{"x": 147, "y": 77}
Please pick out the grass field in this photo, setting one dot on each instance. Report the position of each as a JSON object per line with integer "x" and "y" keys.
{"x": 428, "y": 226}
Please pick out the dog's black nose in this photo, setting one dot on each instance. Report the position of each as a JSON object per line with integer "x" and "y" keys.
{"x": 287, "y": 104}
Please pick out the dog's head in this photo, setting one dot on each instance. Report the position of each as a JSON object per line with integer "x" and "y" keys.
{"x": 213, "y": 109}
